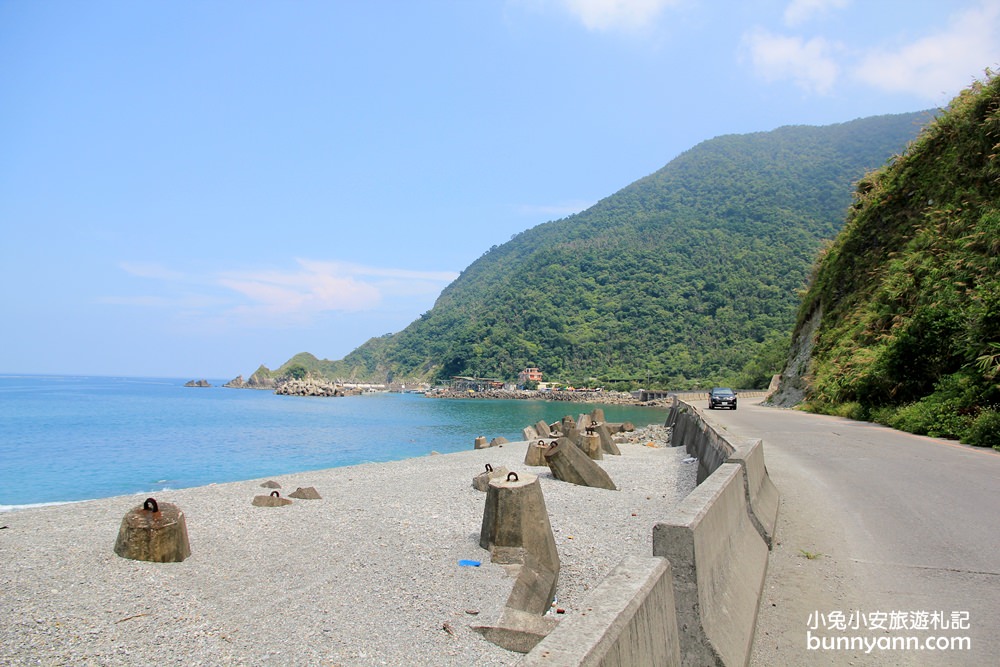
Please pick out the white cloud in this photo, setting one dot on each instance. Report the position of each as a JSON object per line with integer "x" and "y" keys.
{"x": 939, "y": 64}
{"x": 809, "y": 63}
{"x": 802, "y": 11}
{"x": 279, "y": 297}
{"x": 301, "y": 293}
{"x": 607, "y": 15}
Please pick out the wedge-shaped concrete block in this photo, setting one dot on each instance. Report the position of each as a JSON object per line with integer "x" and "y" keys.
{"x": 607, "y": 443}
{"x": 569, "y": 464}
{"x": 516, "y": 531}
{"x": 306, "y": 493}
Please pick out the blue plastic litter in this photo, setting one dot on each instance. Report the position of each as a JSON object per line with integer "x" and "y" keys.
{"x": 469, "y": 563}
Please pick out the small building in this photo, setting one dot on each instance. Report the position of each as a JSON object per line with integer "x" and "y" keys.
{"x": 464, "y": 383}
{"x": 529, "y": 374}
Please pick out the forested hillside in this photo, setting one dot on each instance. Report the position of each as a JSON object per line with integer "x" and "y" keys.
{"x": 908, "y": 297}
{"x": 689, "y": 276}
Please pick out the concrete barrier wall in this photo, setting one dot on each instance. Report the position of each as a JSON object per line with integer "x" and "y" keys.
{"x": 762, "y": 495}
{"x": 629, "y": 621}
{"x": 719, "y": 561}
{"x": 712, "y": 550}
{"x": 693, "y": 432}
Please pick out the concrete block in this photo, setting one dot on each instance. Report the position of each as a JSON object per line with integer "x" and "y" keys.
{"x": 516, "y": 531}
{"x": 153, "y": 532}
{"x": 569, "y": 464}
{"x": 481, "y": 442}
{"x": 719, "y": 561}
{"x": 481, "y": 482}
{"x": 517, "y": 631}
{"x": 592, "y": 447}
{"x": 628, "y": 620}
{"x": 535, "y": 455}
{"x": 273, "y": 500}
{"x": 607, "y": 443}
{"x": 567, "y": 423}
{"x": 543, "y": 429}
{"x": 529, "y": 433}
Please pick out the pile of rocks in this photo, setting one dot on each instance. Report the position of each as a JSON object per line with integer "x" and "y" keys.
{"x": 310, "y": 387}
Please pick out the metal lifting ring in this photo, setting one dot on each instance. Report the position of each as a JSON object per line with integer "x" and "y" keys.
{"x": 509, "y": 475}
{"x": 275, "y": 494}
{"x": 151, "y": 502}
{"x": 489, "y": 468}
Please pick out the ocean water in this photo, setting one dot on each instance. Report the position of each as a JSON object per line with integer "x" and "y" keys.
{"x": 69, "y": 438}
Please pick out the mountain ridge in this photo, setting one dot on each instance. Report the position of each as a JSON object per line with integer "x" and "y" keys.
{"x": 681, "y": 278}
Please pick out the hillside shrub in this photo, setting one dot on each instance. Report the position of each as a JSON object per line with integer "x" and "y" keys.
{"x": 984, "y": 430}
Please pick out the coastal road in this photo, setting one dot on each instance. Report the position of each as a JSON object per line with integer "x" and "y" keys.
{"x": 874, "y": 521}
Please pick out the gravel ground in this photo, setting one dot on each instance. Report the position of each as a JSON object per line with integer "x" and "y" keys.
{"x": 368, "y": 575}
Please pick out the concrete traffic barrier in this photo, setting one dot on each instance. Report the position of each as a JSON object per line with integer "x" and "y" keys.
{"x": 569, "y": 464}
{"x": 762, "y": 496}
{"x": 628, "y": 620}
{"x": 719, "y": 561}
{"x": 712, "y": 448}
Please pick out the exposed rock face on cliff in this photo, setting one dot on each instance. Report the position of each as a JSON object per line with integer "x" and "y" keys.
{"x": 259, "y": 381}
{"x": 197, "y": 383}
{"x": 236, "y": 383}
{"x": 795, "y": 377}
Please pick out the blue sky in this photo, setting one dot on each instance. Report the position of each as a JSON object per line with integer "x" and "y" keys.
{"x": 191, "y": 189}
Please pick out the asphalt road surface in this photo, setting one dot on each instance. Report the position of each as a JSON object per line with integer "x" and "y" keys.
{"x": 881, "y": 535}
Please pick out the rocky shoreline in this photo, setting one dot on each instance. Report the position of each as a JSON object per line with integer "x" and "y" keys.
{"x": 325, "y": 388}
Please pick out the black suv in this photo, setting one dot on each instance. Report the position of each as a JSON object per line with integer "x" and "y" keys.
{"x": 721, "y": 397}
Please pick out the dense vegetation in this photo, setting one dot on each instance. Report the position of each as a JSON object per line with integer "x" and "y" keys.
{"x": 910, "y": 290}
{"x": 688, "y": 277}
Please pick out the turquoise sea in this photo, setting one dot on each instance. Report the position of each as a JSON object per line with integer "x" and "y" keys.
{"x": 68, "y": 438}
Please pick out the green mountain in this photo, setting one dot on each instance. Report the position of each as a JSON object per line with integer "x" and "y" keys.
{"x": 688, "y": 276}
{"x": 904, "y": 311}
